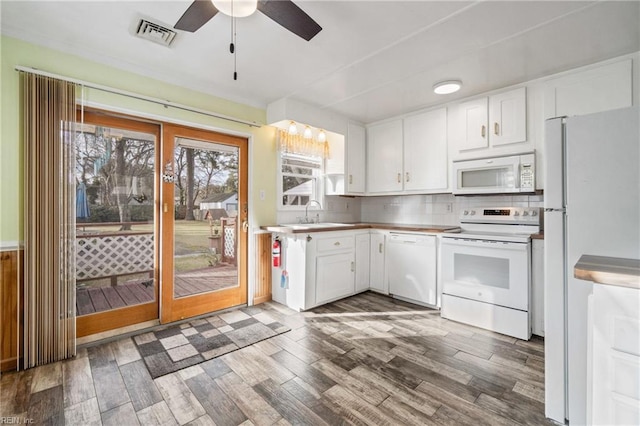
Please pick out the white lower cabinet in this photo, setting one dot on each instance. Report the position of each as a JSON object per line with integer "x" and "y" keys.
{"x": 537, "y": 287}
{"x": 362, "y": 262}
{"x": 322, "y": 267}
{"x": 334, "y": 276}
{"x": 614, "y": 359}
{"x": 376, "y": 262}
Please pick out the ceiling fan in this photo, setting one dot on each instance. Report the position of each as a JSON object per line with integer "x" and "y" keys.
{"x": 284, "y": 12}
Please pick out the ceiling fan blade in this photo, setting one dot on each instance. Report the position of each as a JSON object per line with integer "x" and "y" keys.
{"x": 290, "y": 16}
{"x": 198, "y": 14}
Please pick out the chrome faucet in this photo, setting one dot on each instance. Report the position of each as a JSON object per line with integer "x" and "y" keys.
{"x": 306, "y": 211}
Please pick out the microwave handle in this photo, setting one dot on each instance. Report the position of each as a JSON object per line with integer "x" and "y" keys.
{"x": 518, "y": 174}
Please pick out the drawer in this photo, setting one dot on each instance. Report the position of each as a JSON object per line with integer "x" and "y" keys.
{"x": 336, "y": 243}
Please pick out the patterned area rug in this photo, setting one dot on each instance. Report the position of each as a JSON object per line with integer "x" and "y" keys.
{"x": 176, "y": 347}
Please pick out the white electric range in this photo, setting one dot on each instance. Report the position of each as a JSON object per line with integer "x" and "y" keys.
{"x": 486, "y": 269}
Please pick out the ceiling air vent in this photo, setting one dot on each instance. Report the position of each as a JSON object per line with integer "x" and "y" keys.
{"x": 155, "y": 33}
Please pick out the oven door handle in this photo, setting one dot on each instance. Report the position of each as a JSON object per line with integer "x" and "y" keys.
{"x": 464, "y": 242}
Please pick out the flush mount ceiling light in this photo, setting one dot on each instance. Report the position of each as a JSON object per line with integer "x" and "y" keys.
{"x": 236, "y": 8}
{"x": 446, "y": 87}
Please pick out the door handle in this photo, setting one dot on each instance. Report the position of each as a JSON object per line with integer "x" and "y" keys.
{"x": 245, "y": 226}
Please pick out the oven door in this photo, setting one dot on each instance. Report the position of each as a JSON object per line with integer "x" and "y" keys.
{"x": 495, "y": 272}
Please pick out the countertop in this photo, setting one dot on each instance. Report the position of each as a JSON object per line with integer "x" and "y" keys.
{"x": 538, "y": 236}
{"x": 608, "y": 271}
{"x": 365, "y": 225}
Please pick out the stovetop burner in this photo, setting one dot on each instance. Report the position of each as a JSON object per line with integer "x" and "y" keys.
{"x": 508, "y": 224}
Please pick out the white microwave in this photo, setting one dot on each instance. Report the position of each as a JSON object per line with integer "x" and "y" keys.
{"x": 496, "y": 175}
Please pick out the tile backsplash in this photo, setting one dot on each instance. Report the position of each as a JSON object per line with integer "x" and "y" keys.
{"x": 439, "y": 209}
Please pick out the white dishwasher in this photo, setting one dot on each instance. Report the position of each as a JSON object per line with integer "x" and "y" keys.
{"x": 410, "y": 267}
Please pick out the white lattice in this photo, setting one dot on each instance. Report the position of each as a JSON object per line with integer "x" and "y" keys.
{"x": 105, "y": 256}
{"x": 229, "y": 242}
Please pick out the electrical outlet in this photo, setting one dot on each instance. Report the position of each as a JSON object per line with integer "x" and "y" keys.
{"x": 449, "y": 207}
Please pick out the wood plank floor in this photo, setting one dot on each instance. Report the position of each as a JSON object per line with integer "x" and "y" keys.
{"x": 365, "y": 360}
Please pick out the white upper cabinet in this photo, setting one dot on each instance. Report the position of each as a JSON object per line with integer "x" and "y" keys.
{"x": 425, "y": 151}
{"x": 589, "y": 91}
{"x": 472, "y": 121}
{"x": 508, "y": 117}
{"x": 384, "y": 157}
{"x": 355, "y": 159}
{"x": 345, "y": 167}
{"x": 485, "y": 126}
{"x": 408, "y": 156}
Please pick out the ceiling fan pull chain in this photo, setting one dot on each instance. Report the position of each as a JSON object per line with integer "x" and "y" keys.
{"x": 235, "y": 55}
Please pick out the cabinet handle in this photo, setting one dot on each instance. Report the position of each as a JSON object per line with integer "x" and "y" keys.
{"x": 483, "y": 131}
{"x": 337, "y": 243}
{"x": 380, "y": 248}
{"x": 353, "y": 266}
{"x": 407, "y": 176}
{"x": 496, "y": 128}
{"x": 350, "y": 179}
{"x": 399, "y": 177}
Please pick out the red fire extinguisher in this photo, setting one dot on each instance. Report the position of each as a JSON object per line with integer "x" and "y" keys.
{"x": 276, "y": 253}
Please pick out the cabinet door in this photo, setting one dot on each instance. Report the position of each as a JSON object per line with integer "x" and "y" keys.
{"x": 376, "y": 262}
{"x": 334, "y": 276}
{"x": 362, "y": 262}
{"x": 508, "y": 117}
{"x": 425, "y": 151}
{"x": 472, "y": 122}
{"x": 355, "y": 159}
{"x": 384, "y": 157}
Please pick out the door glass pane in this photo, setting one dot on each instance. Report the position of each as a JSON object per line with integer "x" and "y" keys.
{"x": 115, "y": 171}
{"x": 206, "y": 218}
{"x": 481, "y": 270}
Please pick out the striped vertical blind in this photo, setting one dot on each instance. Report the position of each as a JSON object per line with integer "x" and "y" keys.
{"x": 49, "y": 108}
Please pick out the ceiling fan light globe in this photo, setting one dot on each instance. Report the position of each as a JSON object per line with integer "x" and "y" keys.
{"x": 236, "y": 8}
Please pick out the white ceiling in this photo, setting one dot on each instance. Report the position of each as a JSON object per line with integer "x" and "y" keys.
{"x": 372, "y": 60}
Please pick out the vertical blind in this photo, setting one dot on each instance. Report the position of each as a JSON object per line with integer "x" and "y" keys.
{"x": 49, "y": 108}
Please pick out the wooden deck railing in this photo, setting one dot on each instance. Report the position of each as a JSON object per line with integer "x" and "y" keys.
{"x": 112, "y": 254}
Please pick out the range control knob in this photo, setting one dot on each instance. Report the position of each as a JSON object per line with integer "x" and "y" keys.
{"x": 516, "y": 213}
{"x": 525, "y": 213}
{"x": 473, "y": 212}
{"x": 534, "y": 213}
{"x": 466, "y": 212}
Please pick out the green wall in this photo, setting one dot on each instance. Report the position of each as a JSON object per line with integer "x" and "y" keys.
{"x": 14, "y": 52}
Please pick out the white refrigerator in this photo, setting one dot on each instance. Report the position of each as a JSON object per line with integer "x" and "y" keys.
{"x": 592, "y": 206}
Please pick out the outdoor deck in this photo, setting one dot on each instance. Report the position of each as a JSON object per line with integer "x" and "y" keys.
{"x": 91, "y": 300}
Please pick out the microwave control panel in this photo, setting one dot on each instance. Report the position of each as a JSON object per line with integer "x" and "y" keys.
{"x": 526, "y": 176}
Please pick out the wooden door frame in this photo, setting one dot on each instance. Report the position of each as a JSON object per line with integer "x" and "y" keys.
{"x": 129, "y": 315}
{"x": 176, "y": 309}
